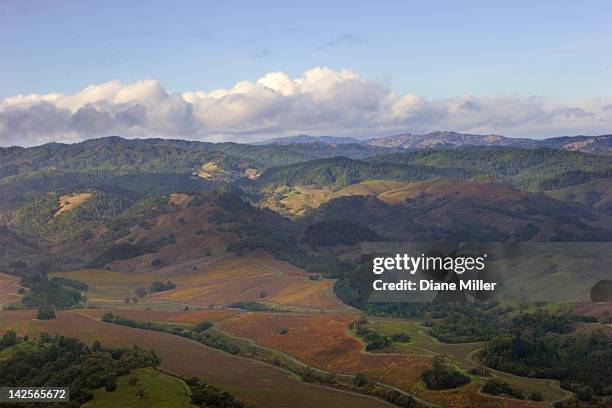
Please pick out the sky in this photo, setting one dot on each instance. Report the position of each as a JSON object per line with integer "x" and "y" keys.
{"x": 247, "y": 70}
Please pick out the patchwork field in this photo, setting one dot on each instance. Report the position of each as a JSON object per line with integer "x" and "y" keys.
{"x": 9, "y": 285}
{"x": 323, "y": 341}
{"x": 420, "y": 341}
{"x": 463, "y": 356}
{"x": 216, "y": 281}
{"x": 256, "y": 383}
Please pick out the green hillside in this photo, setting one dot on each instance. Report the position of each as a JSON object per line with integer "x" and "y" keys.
{"x": 526, "y": 169}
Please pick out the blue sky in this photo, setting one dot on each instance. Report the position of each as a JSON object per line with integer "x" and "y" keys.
{"x": 524, "y": 68}
{"x": 432, "y": 48}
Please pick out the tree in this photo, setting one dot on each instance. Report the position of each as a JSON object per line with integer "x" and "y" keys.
{"x": 140, "y": 292}
{"x": 158, "y": 286}
{"x": 157, "y": 262}
{"x": 441, "y": 376}
{"x": 360, "y": 380}
{"x": 202, "y": 326}
{"x": 111, "y": 384}
{"x": 9, "y": 339}
{"x": 45, "y": 314}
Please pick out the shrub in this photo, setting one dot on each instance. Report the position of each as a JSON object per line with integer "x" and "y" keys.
{"x": 401, "y": 337}
{"x": 157, "y": 262}
{"x": 158, "y": 286}
{"x": 498, "y": 387}
{"x": 536, "y": 396}
{"x": 73, "y": 283}
{"x": 140, "y": 292}
{"x": 360, "y": 380}
{"x": 45, "y": 314}
{"x": 111, "y": 384}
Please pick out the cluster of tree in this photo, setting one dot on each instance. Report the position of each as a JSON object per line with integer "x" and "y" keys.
{"x": 442, "y": 376}
{"x": 202, "y": 326}
{"x": 529, "y": 169}
{"x": 124, "y": 250}
{"x": 130, "y": 299}
{"x": 542, "y": 322}
{"x": 48, "y": 293}
{"x": 251, "y": 306}
{"x": 158, "y": 286}
{"x": 336, "y": 232}
{"x": 285, "y": 250}
{"x": 9, "y": 339}
{"x": 205, "y": 395}
{"x": 45, "y": 314}
{"x": 463, "y": 327}
{"x": 499, "y": 387}
{"x": 339, "y": 172}
{"x": 374, "y": 340}
{"x": 39, "y": 213}
{"x": 532, "y": 169}
{"x": 140, "y": 292}
{"x": 429, "y": 311}
{"x": 66, "y": 362}
{"x": 574, "y": 359}
{"x": 393, "y": 396}
{"x": 71, "y": 283}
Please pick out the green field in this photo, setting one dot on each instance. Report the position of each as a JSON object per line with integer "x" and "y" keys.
{"x": 160, "y": 391}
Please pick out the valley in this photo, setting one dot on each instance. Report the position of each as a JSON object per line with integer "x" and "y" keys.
{"x": 239, "y": 265}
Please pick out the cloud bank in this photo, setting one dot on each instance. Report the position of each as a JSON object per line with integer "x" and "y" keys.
{"x": 321, "y": 101}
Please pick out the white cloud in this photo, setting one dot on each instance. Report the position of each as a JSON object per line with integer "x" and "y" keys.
{"x": 321, "y": 101}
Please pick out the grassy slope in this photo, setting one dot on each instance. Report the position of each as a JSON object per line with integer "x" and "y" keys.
{"x": 596, "y": 194}
{"x": 160, "y": 391}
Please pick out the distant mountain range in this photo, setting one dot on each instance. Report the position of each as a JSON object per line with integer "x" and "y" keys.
{"x": 448, "y": 140}
{"x": 309, "y": 139}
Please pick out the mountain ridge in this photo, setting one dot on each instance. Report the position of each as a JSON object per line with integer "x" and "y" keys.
{"x": 599, "y": 144}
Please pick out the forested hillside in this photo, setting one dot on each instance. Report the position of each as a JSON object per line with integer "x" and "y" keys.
{"x": 527, "y": 169}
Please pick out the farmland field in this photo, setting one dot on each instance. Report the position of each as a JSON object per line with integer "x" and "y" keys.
{"x": 9, "y": 285}
{"x": 215, "y": 281}
{"x": 324, "y": 342}
{"x": 255, "y": 383}
{"x": 463, "y": 355}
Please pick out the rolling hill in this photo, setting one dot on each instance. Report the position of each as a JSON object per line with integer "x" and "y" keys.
{"x": 527, "y": 169}
{"x": 454, "y": 210}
